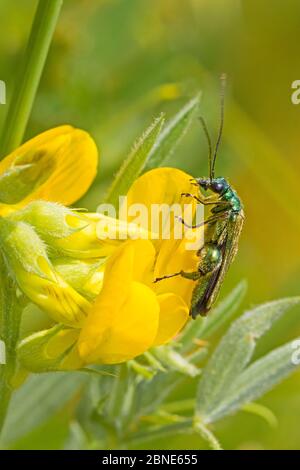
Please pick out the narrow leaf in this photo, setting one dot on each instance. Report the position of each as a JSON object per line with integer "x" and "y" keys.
{"x": 77, "y": 439}
{"x": 234, "y": 353}
{"x": 257, "y": 379}
{"x": 206, "y": 327}
{"x": 172, "y": 134}
{"x": 158, "y": 432}
{"x": 37, "y": 400}
{"x": 263, "y": 412}
{"x": 134, "y": 163}
{"x": 223, "y": 311}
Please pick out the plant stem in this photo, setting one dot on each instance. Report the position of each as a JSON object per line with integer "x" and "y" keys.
{"x": 206, "y": 435}
{"x": 28, "y": 77}
{"x": 115, "y": 405}
{"x": 158, "y": 433}
{"x": 118, "y": 391}
{"x": 5, "y": 395}
{"x": 10, "y": 315}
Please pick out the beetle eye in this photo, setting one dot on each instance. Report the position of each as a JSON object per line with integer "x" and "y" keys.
{"x": 218, "y": 187}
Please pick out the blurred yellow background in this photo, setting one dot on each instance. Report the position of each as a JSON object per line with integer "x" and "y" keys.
{"x": 107, "y": 72}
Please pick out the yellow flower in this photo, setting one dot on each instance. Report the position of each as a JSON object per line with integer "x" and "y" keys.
{"x": 26, "y": 257}
{"x": 57, "y": 165}
{"x": 128, "y": 317}
{"x": 131, "y": 313}
{"x": 48, "y": 167}
{"x": 109, "y": 312}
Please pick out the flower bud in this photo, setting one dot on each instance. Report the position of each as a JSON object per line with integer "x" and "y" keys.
{"x": 71, "y": 233}
{"x": 67, "y": 232}
{"x": 27, "y": 259}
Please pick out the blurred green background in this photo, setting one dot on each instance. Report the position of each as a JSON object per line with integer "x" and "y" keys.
{"x": 107, "y": 72}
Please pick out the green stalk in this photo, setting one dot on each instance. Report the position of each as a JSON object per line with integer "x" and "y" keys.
{"x": 158, "y": 432}
{"x": 10, "y": 315}
{"x": 206, "y": 435}
{"x": 117, "y": 393}
{"x": 29, "y": 74}
{"x": 5, "y": 395}
{"x": 120, "y": 406}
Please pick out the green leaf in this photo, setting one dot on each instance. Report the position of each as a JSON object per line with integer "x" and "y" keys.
{"x": 234, "y": 353}
{"x": 257, "y": 379}
{"x": 223, "y": 311}
{"x": 77, "y": 439}
{"x": 216, "y": 319}
{"x": 263, "y": 412}
{"x": 172, "y": 134}
{"x": 158, "y": 432}
{"x": 157, "y": 391}
{"x": 161, "y": 418}
{"x": 134, "y": 163}
{"x": 97, "y": 372}
{"x": 179, "y": 406}
{"x": 37, "y": 400}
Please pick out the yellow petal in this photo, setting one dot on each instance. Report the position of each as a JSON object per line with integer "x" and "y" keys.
{"x": 131, "y": 261}
{"x": 61, "y": 302}
{"x": 143, "y": 261}
{"x": 112, "y": 335}
{"x": 52, "y": 349}
{"x": 165, "y": 186}
{"x": 85, "y": 241}
{"x": 173, "y": 315}
{"x": 110, "y": 229}
{"x": 123, "y": 321}
{"x": 70, "y": 153}
{"x": 174, "y": 256}
{"x": 161, "y": 186}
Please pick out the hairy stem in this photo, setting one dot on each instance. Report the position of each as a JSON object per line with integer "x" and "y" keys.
{"x": 10, "y": 315}
{"x": 206, "y": 435}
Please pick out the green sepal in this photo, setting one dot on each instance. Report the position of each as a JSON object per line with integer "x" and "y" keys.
{"x": 45, "y": 351}
{"x": 50, "y": 219}
{"x": 22, "y": 247}
{"x": 80, "y": 274}
{"x": 26, "y": 174}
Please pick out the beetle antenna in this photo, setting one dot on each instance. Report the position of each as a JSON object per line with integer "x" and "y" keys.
{"x": 222, "y": 96}
{"x": 205, "y": 129}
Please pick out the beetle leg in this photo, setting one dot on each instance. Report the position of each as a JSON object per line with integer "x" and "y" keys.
{"x": 194, "y": 276}
{"x": 202, "y": 200}
{"x": 215, "y": 218}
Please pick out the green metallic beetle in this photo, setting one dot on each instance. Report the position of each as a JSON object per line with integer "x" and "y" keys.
{"x": 222, "y": 232}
